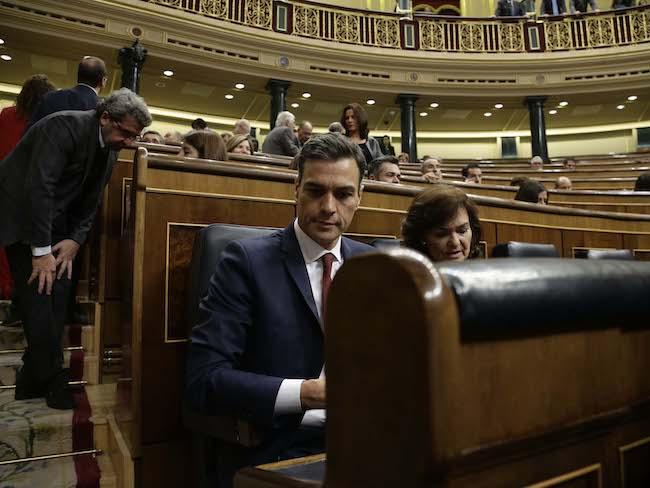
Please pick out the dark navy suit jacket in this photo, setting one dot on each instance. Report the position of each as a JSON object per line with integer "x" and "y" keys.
{"x": 78, "y": 98}
{"x": 258, "y": 324}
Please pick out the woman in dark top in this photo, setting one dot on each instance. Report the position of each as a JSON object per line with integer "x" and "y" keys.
{"x": 355, "y": 121}
{"x": 532, "y": 191}
{"x": 386, "y": 146}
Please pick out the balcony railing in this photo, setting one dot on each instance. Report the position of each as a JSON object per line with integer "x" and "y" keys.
{"x": 429, "y": 33}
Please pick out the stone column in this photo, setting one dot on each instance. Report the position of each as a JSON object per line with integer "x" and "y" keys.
{"x": 407, "y": 116}
{"x": 278, "y": 91}
{"x": 131, "y": 60}
{"x": 537, "y": 126}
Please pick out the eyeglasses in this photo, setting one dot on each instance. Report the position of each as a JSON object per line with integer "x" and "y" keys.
{"x": 126, "y": 133}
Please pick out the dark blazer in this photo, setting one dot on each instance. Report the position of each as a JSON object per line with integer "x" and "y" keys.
{"x": 282, "y": 141}
{"x": 507, "y": 9}
{"x": 51, "y": 183}
{"x": 547, "y": 7}
{"x": 80, "y": 97}
{"x": 581, "y": 5}
{"x": 258, "y": 324}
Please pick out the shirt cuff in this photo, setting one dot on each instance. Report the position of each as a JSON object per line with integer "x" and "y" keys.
{"x": 41, "y": 251}
{"x": 314, "y": 418}
{"x": 288, "y": 399}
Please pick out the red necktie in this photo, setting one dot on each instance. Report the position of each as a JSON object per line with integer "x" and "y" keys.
{"x": 327, "y": 259}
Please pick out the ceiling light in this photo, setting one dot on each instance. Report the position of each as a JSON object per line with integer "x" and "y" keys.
{"x": 295, "y": 105}
{"x": 424, "y": 114}
{"x": 240, "y": 86}
{"x": 631, "y": 98}
{"x": 498, "y": 106}
{"x": 229, "y": 96}
{"x": 168, "y": 72}
{"x": 2, "y": 41}
{"x": 620, "y": 107}
{"x": 5, "y": 57}
{"x": 563, "y": 104}
{"x": 487, "y": 114}
{"x": 306, "y": 95}
{"x": 370, "y": 101}
{"x": 434, "y": 105}
{"x": 552, "y": 112}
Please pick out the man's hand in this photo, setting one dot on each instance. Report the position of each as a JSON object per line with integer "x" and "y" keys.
{"x": 43, "y": 269}
{"x": 312, "y": 394}
{"x": 431, "y": 178}
{"x": 65, "y": 251}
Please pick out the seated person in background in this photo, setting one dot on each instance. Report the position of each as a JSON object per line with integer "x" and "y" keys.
{"x": 336, "y": 128}
{"x": 443, "y": 223}
{"x": 239, "y": 144}
{"x": 563, "y": 183}
{"x": 304, "y": 133}
{"x": 532, "y": 191}
{"x": 281, "y": 140}
{"x": 385, "y": 169}
{"x": 569, "y": 164}
{"x": 553, "y": 7}
{"x": 204, "y": 144}
{"x": 243, "y": 127}
{"x": 518, "y": 180}
{"x": 225, "y": 137}
{"x": 536, "y": 162}
{"x": 173, "y": 138}
{"x": 199, "y": 124}
{"x": 643, "y": 182}
{"x": 472, "y": 173}
{"x": 616, "y": 4}
{"x": 403, "y": 158}
{"x": 257, "y": 351}
{"x": 431, "y": 170}
{"x": 580, "y": 6}
{"x": 152, "y": 137}
{"x": 509, "y": 8}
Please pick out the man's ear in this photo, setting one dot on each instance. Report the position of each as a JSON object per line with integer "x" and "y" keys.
{"x": 360, "y": 194}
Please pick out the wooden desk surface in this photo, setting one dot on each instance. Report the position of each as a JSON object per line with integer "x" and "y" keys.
{"x": 307, "y": 472}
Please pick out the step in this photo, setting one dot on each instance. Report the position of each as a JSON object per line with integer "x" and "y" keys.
{"x": 13, "y": 338}
{"x": 11, "y": 362}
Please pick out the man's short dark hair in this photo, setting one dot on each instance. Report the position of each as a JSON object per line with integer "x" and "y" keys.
{"x": 375, "y": 165}
{"x": 330, "y": 147}
{"x": 91, "y": 71}
{"x": 467, "y": 167}
{"x": 199, "y": 124}
{"x": 643, "y": 182}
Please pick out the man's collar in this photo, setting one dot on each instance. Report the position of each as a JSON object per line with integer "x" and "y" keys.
{"x": 311, "y": 250}
{"x": 91, "y": 87}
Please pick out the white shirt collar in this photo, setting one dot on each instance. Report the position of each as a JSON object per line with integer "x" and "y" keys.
{"x": 311, "y": 250}
{"x": 91, "y": 87}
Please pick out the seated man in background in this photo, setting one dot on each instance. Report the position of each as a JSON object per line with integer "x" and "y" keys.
{"x": 536, "y": 162}
{"x": 152, "y": 137}
{"x": 257, "y": 351}
{"x": 243, "y": 127}
{"x": 643, "y": 182}
{"x": 553, "y": 7}
{"x": 402, "y": 158}
{"x": 569, "y": 164}
{"x": 580, "y": 6}
{"x": 472, "y": 173}
{"x": 509, "y": 8}
{"x": 431, "y": 170}
{"x": 173, "y": 138}
{"x": 336, "y": 128}
{"x": 281, "y": 140}
{"x": 304, "y": 132}
{"x": 563, "y": 183}
{"x": 385, "y": 169}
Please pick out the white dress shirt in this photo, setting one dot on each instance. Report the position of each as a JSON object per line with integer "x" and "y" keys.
{"x": 288, "y": 398}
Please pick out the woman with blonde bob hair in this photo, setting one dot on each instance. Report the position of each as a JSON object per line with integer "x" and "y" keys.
{"x": 239, "y": 144}
{"x": 443, "y": 223}
{"x": 204, "y": 144}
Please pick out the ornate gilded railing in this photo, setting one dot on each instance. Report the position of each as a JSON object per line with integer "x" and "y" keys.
{"x": 428, "y": 33}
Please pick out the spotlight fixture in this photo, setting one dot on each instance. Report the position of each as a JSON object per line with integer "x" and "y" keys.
{"x": 168, "y": 72}
{"x": 5, "y": 57}
{"x": 487, "y": 114}
{"x": 620, "y": 107}
{"x": 631, "y": 98}
{"x": 498, "y": 106}
{"x": 552, "y": 112}
{"x": 563, "y": 104}
{"x": 434, "y": 105}
{"x": 229, "y": 96}
{"x": 240, "y": 86}
{"x": 424, "y": 114}
{"x": 306, "y": 95}
{"x": 295, "y": 105}
{"x": 370, "y": 101}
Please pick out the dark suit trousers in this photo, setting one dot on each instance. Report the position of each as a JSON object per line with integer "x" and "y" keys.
{"x": 43, "y": 316}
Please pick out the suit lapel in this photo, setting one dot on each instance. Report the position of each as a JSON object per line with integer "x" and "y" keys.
{"x": 295, "y": 265}
{"x": 92, "y": 145}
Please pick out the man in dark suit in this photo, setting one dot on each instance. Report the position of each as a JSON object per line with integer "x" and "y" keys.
{"x": 509, "y": 8}
{"x": 50, "y": 188}
{"x": 580, "y": 6}
{"x": 91, "y": 78}
{"x": 281, "y": 140}
{"x": 553, "y": 7}
{"x": 257, "y": 351}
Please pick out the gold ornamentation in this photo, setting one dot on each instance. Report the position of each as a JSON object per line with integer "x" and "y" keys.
{"x": 386, "y": 32}
{"x": 214, "y": 8}
{"x": 511, "y": 37}
{"x": 600, "y": 31}
{"x": 558, "y": 35}
{"x": 471, "y": 37}
{"x": 432, "y": 36}
{"x": 640, "y": 23}
{"x": 305, "y": 21}
{"x": 346, "y": 28}
{"x": 258, "y": 13}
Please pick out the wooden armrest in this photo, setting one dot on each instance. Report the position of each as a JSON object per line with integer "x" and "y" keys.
{"x": 227, "y": 428}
